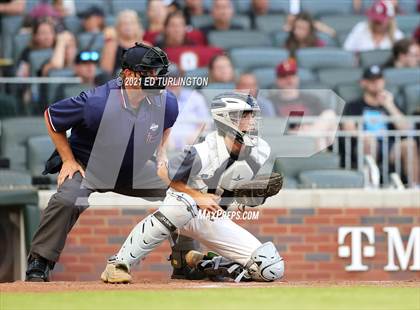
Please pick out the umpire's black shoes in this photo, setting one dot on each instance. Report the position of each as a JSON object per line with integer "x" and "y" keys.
{"x": 38, "y": 269}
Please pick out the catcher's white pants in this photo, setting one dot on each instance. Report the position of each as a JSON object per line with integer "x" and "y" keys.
{"x": 224, "y": 237}
{"x": 220, "y": 235}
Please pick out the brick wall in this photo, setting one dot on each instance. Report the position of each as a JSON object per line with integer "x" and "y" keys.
{"x": 305, "y": 237}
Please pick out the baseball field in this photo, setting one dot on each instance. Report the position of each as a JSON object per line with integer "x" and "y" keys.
{"x": 211, "y": 295}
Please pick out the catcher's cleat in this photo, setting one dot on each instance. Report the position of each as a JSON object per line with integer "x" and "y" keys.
{"x": 38, "y": 269}
{"x": 116, "y": 273}
{"x": 218, "y": 268}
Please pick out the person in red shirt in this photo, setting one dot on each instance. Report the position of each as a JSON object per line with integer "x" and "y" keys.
{"x": 176, "y": 34}
{"x": 157, "y": 12}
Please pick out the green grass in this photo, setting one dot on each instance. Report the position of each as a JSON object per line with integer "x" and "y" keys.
{"x": 340, "y": 298}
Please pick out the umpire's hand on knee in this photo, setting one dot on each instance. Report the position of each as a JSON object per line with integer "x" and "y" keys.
{"x": 69, "y": 168}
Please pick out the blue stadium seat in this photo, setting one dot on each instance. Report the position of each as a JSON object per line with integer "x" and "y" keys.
{"x": 402, "y": 76}
{"x": 20, "y": 42}
{"x": 231, "y": 39}
{"x": 83, "y": 5}
{"x": 75, "y": 89}
{"x": 250, "y": 58}
{"x": 349, "y": 92}
{"x": 335, "y": 178}
{"x": 270, "y": 23}
{"x": 318, "y": 58}
{"x": 333, "y": 77}
{"x": 14, "y": 178}
{"x": 412, "y": 98}
{"x": 9, "y": 26}
{"x": 15, "y": 133}
{"x": 73, "y": 24}
{"x": 229, "y": 86}
{"x": 342, "y": 23}
{"x": 408, "y": 23}
{"x": 292, "y": 167}
{"x": 279, "y": 6}
{"x": 242, "y": 7}
{"x": 136, "y": 5}
{"x": 39, "y": 149}
{"x": 327, "y": 39}
{"x": 205, "y": 20}
{"x": 265, "y": 77}
{"x": 91, "y": 41}
{"x": 375, "y": 57}
{"x": 322, "y": 7}
{"x": 279, "y": 38}
{"x": 38, "y": 58}
{"x": 306, "y": 75}
{"x": 53, "y": 87}
{"x": 407, "y": 6}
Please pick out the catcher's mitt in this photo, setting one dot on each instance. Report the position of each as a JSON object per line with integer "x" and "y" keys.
{"x": 254, "y": 193}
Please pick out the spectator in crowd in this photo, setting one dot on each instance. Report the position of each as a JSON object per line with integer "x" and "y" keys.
{"x": 85, "y": 67}
{"x": 193, "y": 8}
{"x": 43, "y": 36}
{"x": 12, "y": 7}
{"x": 128, "y": 30}
{"x": 93, "y": 19}
{"x": 222, "y": 13}
{"x": 374, "y": 106}
{"x": 289, "y": 100}
{"x": 176, "y": 34}
{"x": 302, "y": 34}
{"x": 405, "y": 54}
{"x": 193, "y": 115}
{"x": 156, "y": 16}
{"x": 318, "y": 25}
{"x": 358, "y": 6}
{"x": 64, "y": 7}
{"x": 65, "y": 50}
{"x": 416, "y": 36}
{"x": 378, "y": 32}
{"x": 258, "y": 8}
{"x": 221, "y": 70}
{"x": 288, "y": 97}
{"x": 247, "y": 82}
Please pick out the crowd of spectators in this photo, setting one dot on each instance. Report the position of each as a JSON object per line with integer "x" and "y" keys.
{"x": 178, "y": 27}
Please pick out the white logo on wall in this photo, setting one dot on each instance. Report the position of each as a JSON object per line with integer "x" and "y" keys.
{"x": 398, "y": 256}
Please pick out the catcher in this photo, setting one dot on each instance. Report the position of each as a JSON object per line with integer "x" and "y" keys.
{"x": 211, "y": 176}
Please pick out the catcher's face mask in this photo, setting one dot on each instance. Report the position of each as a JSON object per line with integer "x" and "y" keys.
{"x": 237, "y": 115}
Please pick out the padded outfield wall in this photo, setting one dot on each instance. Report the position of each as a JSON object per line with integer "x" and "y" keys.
{"x": 380, "y": 231}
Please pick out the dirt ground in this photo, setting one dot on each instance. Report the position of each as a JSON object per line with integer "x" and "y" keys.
{"x": 20, "y": 286}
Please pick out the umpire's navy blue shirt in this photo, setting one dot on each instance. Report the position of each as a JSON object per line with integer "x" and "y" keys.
{"x": 83, "y": 114}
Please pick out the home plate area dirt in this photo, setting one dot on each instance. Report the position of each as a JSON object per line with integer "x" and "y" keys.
{"x": 20, "y": 286}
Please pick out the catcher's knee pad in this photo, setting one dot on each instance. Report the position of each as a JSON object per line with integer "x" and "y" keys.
{"x": 176, "y": 211}
{"x": 266, "y": 264}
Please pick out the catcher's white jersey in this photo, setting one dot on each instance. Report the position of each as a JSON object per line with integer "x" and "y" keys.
{"x": 208, "y": 166}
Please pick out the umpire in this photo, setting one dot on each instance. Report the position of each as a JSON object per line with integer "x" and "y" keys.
{"x": 118, "y": 136}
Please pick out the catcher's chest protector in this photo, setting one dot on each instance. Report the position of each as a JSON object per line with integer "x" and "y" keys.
{"x": 218, "y": 169}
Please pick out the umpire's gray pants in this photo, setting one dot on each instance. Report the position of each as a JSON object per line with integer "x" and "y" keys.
{"x": 66, "y": 205}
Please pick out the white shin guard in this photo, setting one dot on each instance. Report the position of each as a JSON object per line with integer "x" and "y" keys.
{"x": 176, "y": 211}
